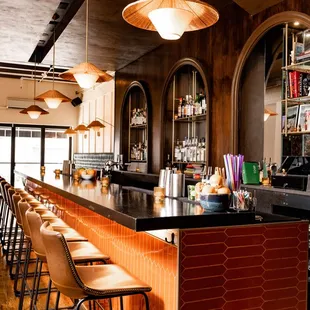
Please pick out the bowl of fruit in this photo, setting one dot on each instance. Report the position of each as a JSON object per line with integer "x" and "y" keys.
{"x": 88, "y": 174}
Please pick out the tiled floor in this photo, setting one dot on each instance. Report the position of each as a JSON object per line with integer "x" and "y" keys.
{"x": 8, "y": 301}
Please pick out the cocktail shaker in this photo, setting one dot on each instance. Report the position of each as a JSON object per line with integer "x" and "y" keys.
{"x": 168, "y": 183}
{"x": 178, "y": 184}
{"x": 162, "y": 178}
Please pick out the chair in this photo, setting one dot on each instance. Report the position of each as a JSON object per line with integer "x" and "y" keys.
{"x": 82, "y": 252}
{"x": 86, "y": 282}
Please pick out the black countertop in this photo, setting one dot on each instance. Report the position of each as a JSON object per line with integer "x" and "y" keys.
{"x": 136, "y": 209}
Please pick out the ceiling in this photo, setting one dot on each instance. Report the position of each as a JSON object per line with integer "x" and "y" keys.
{"x": 112, "y": 42}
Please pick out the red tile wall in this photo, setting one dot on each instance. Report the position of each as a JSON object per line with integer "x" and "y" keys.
{"x": 254, "y": 267}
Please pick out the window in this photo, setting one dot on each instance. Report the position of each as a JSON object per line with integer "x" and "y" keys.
{"x": 34, "y": 146}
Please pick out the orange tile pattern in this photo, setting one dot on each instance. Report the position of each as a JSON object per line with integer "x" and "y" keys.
{"x": 148, "y": 258}
{"x": 262, "y": 267}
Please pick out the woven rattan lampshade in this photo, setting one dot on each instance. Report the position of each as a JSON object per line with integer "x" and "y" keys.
{"x": 267, "y": 113}
{"x": 88, "y": 68}
{"x": 55, "y": 94}
{"x": 95, "y": 125}
{"x": 70, "y": 131}
{"x": 34, "y": 111}
{"x": 81, "y": 128}
{"x": 198, "y": 15}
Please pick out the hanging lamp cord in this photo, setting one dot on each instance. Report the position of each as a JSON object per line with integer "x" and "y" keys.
{"x": 86, "y": 47}
{"x": 54, "y": 52}
{"x": 34, "y": 79}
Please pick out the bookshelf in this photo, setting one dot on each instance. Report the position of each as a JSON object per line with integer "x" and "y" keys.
{"x": 296, "y": 93}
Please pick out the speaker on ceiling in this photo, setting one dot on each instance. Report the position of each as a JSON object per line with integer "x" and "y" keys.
{"x": 76, "y": 101}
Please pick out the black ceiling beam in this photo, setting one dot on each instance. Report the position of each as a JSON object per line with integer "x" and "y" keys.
{"x": 60, "y": 25}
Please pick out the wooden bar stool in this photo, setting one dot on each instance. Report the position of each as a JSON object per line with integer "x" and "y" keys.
{"x": 87, "y": 282}
{"x": 82, "y": 252}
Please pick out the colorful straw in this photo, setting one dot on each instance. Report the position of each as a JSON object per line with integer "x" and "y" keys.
{"x": 233, "y": 167}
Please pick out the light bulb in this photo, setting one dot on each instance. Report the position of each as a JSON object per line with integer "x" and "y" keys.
{"x": 53, "y": 103}
{"x": 86, "y": 80}
{"x": 96, "y": 128}
{"x": 170, "y": 22}
{"x": 34, "y": 114}
{"x": 266, "y": 116}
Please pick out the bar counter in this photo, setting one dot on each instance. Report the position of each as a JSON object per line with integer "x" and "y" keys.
{"x": 136, "y": 209}
{"x": 232, "y": 262}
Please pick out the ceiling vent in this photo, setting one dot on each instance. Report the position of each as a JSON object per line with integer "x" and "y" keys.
{"x": 22, "y": 103}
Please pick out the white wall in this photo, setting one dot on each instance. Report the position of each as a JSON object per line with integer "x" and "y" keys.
{"x": 272, "y": 127}
{"x": 98, "y": 102}
{"x": 66, "y": 114}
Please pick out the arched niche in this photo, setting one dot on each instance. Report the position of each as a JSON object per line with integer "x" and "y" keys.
{"x": 136, "y": 97}
{"x": 182, "y": 73}
{"x": 260, "y": 31}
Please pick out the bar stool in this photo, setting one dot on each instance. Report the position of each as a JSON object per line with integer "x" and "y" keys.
{"x": 87, "y": 282}
{"x": 82, "y": 252}
{"x": 69, "y": 233}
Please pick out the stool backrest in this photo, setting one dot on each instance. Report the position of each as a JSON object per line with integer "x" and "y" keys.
{"x": 16, "y": 199}
{"x": 2, "y": 183}
{"x": 60, "y": 264}
{"x": 23, "y": 206}
{"x": 11, "y": 192}
{"x": 35, "y": 222}
{"x": 5, "y": 189}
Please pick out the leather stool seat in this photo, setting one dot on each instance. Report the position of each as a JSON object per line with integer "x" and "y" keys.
{"x": 109, "y": 279}
{"x": 83, "y": 251}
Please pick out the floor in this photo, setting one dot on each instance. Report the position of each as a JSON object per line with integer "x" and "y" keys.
{"x": 8, "y": 301}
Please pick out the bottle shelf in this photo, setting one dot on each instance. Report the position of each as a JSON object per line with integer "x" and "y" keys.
{"x": 189, "y": 162}
{"x": 138, "y": 126}
{"x": 297, "y": 100}
{"x": 303, "y": 67}
{"x": 297, "y": 133}
{"x": 137, "y": 161}
{"x": 189, "y": 119}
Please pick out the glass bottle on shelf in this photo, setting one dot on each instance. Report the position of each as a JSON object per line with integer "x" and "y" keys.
{"x": 168, "y": 163}
{"x": 203, "y": 150}
{"x": 144, "y": 145}
{"x": 183, "y": 150}
{"x": 188, "y": 150}
{"x": 198, "y": 152}
{"x": 133, "y": 151}
{"x": 183, "y": 111}
{"x": 180, "y": 108}
{"x": 203, "y": 103}
{"x": 177, "y": 151}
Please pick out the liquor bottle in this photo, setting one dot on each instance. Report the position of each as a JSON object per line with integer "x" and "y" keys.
{"x": 197, "y": 104}
{"x": 203, "y": 103}
{"x": 203, "y": 150}
{"x": 188, "y": 150}
{"x": 176, "y": 151}
{"x": 168, "y": 163}
{"x": 180, "y": 108}
{"x": 198, "y": 152}
{"x": 134, "y": 151}
{"x": 188, "y": 107}
{"x": 183, "y": 150}
{"x": 144, "y": 147}
{"x": 185, "y": 108}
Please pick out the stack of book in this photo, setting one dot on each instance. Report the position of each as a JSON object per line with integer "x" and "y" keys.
{"x": 299, "y": 84}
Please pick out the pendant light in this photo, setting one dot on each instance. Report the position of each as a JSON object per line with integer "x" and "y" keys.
{"x": 34, "y": 111}
{"x": 53, "y": 98}
{"x": 170, "y": 18}
{"x": 70, "y": 132}
{"x": 96, "y": 126}
{"x": 267, "y": 113}
{"x": 81, "y": 129}
{"x": 86, "y": 74}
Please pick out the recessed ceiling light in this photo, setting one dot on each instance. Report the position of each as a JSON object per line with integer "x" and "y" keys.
{"x": 296, "y": 23}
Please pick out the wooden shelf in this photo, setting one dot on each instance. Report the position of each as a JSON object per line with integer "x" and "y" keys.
{"x": 137, "y": 161}
{"x": 297, "y": 101}
{"x": 297, "y": 133}
{"x": 194, "y": 118}
{"x": 138, "y": 126}
{"x": 189, "y": 162}
{"x": 303, "y": 67}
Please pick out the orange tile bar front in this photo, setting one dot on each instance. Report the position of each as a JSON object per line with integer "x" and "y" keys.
{"x": 150, "y": 259}
{"x": 258, "y": 266}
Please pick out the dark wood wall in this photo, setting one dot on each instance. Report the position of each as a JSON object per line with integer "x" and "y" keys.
{"x": 217, "y": 48}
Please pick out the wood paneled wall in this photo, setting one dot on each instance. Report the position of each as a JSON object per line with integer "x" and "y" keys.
{"x": 217, "y": 48}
